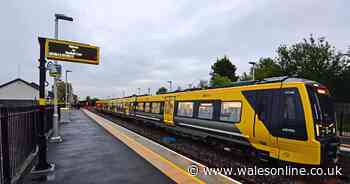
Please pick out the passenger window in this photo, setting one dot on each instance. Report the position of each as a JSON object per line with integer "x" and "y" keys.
{"x": 161, "y": 107}
{"x": 147, "y": 107}
{"x": 121, "y": 107}
{"x": 205, "y": 111}
{"x": 185, "y": 109}
{"x": 156, "y": 107}
{"x": 230, "y": 111}
{"x": 140, "y": 106}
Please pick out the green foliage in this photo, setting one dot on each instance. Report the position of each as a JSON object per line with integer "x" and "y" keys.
{"x": 61, "y": 91}
{"x": 223, "y": 67}
{"x": 203, "y": 84}
{"x": 267, "y": 67}
{"x": 220, "y": 81}
{"x": 162, "y": 90}
{"x": 75, "y": 99}
{"x": 245, "y": 77}
{"x": 313, "y": 59}
{"x": 178, "y": 88}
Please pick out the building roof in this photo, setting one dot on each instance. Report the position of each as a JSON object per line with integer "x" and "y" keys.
{"x": 31, "y": 84}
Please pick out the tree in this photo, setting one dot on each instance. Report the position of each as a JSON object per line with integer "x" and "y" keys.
{"x": 178, "y": 88}
{"x": 203, "y": 84}
{"x": 220, "y": 81}
{"x": 267, "y": 67}
{"x": 162, "y": 90}
{"x": 224, "y": 68}
{"x": 313, "y": 59}
{"x": 75, "y": 99}
{"x": 61, "y": 91}
{"x": 93, "y": 101}
{"x": 245, "y": 77}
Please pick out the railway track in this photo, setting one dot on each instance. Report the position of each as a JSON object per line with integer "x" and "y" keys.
{"x": 216, "y": 156}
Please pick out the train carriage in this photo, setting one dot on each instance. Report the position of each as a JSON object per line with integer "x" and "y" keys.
{"x": 282, "y": 118}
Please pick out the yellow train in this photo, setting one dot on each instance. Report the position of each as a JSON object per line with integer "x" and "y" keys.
{"x": 282, "y": 118}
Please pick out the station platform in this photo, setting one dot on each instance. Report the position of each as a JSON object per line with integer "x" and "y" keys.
{"x": 89, "y": 154}
{"x": 96, "y": 150}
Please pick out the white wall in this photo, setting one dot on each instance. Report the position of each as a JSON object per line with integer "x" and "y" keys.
{"x": 19, "y": 90}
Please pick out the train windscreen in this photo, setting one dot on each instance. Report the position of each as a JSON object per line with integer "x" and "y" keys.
{"x": 323, "y": 110}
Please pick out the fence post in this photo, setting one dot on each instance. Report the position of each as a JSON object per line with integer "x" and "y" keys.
{"x": 34, "y": 123}
{"x": 341, "y": 123}
{"x": 5, "y": 146}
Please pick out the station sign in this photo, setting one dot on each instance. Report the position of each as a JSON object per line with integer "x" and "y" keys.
{"x": 71, "y": 51}
{"x": 55, "y": 70}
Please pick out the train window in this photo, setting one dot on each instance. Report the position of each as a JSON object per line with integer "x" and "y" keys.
{"x": 140, "y": 106}
{"x": 120, "y": 107}
{"x": 289, "y": 109}
{"x": 205, "y": 110}
{"x": 161, "y": 107}
{"x": 292, "y": 114}
{"x": 156, "y": 107}
{"x": 230, "y": 111}
{"x": 185, "y": 109}
{"x": 147, "y": 107}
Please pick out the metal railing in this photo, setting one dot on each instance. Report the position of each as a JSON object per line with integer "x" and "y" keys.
{"x": 343, "y": 123}
{"x": 342, "y": 111}
{"x": 18, "y": 137}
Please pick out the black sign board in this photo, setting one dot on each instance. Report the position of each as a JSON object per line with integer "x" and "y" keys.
{"x": 71, "y": 51}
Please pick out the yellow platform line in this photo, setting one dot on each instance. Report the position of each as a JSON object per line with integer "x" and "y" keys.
{"x": 165, "y": 166}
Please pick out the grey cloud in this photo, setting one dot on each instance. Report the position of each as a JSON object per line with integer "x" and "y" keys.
{"x": 145, "y": 43}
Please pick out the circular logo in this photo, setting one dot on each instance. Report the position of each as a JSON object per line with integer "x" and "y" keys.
{"x": 193, "y": 169}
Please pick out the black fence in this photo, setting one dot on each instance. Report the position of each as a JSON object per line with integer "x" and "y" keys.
{"x": 18, "y": 138}
{"x": 343, "y": 118}
{"x": 344, "y": 123}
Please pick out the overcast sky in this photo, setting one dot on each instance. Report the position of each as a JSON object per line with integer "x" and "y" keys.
{"x": 146, "y": 43}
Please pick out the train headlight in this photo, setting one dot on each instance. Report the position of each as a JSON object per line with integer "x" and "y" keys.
{"x": 317, "y": 130}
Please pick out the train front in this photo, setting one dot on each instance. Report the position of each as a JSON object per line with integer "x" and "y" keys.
{"x": 324, "y": 122}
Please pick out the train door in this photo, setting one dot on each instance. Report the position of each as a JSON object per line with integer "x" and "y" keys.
{"x": 292, "y": 139}
{"x": 126, "y": 105}
{"x": 264, "y": 122}
{"x": 169, "y": 110}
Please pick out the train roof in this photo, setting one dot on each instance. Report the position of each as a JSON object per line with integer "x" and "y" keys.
{"x": 284, "y": 79}
{"x": 248, "y": 83}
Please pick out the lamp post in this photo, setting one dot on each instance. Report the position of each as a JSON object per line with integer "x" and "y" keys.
{"x": 253, "y": 63}
{"x": 170, "y": 85}
{"x": 67, "y": 71}
{"x": 56, "y": 137}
